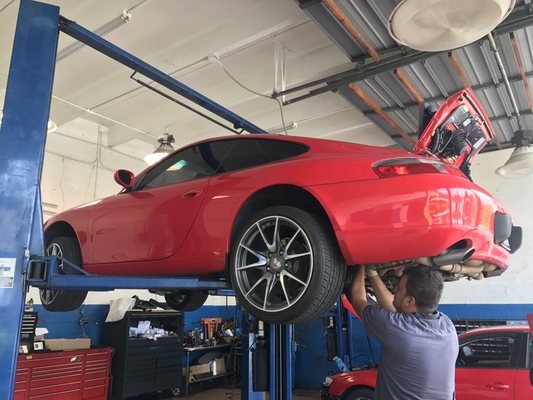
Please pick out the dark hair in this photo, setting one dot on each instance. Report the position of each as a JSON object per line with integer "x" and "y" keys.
{"x": 425, "y": 285}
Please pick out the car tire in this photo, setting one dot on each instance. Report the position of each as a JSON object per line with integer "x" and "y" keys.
{"x": 302, "y": 266}
{"x": 186, "y": 300}
{"x": 59, "y": 299}
{"x": 359, "y": 394}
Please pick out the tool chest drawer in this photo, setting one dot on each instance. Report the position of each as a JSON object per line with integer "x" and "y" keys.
{"x": 57, "y": 375}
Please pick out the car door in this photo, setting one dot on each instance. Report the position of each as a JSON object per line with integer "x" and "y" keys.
{"x": 487, "y": 366}
{"x": 523, "y": 388}
{"x": 152, "y": 221}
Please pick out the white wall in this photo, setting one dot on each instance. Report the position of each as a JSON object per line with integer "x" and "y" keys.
{"x": 516, "y": 284}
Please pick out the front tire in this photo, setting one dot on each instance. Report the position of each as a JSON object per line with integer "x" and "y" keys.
{"x": 59, "y": 299}
{"x": 285, "y": 266}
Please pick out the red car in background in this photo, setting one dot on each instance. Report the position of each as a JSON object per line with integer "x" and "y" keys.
{"x": 493, "y": 363}
{"x": 282, "y": 217}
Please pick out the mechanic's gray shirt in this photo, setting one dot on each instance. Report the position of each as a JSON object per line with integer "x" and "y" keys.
{"x": 418, "y": 354}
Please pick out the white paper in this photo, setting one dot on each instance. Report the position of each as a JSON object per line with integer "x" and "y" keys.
{"x": 7, "y": 272}
{"x": 40, "y": 331}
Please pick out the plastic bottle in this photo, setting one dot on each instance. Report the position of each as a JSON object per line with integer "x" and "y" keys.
{"x": 340, "y": 364}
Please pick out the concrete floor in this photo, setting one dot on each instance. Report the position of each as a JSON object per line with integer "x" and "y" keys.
{"x": 235, "y": 394}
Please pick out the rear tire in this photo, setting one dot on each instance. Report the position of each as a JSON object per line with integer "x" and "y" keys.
{"x": 285, "y": 266}
{"x": 59, "y": 299}
{"x": 186, "y": 300}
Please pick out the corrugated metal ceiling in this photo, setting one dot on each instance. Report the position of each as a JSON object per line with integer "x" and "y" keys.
{"x": 433, "y": 75}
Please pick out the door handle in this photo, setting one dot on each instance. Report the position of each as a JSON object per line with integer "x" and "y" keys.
{"x": 498, "y": 386}
{"x": 191, "y": 194}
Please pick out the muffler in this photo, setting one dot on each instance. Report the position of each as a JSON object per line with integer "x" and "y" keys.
{"x": 457, "y": 256}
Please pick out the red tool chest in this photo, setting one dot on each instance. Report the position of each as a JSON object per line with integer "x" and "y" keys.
{"x": 64, "y": 375}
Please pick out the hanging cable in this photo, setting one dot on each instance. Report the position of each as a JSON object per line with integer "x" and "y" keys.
{"x": 216, "y": 59}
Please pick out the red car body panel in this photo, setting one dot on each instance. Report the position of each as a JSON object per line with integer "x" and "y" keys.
{"x": 470, "y": 383}
{"x": 185, "y": 228}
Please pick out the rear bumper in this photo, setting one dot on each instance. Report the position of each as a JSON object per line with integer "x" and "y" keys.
{"x": 401, "y": 218}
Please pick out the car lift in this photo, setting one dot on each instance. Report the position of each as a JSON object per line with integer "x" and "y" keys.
{"x": 22, "y": 148}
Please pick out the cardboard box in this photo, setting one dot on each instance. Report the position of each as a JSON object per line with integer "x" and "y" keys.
{"x": 221, "y": 366}
{"x": 199, "y": 369}
{"x": 67, "y": 344}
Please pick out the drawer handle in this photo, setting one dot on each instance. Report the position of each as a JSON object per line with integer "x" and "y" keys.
{"x": 75, "y": 358}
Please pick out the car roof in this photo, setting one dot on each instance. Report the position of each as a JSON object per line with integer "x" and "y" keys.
{"x": 495, "y": 329}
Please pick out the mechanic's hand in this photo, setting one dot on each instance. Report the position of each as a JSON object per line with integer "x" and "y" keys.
{"x": 371, "y": 270}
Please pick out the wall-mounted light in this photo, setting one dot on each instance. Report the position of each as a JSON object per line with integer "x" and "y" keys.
{"x": 165, "y": 147}
{"x": 115, "y": 23}
{"x": 520, "y": 163}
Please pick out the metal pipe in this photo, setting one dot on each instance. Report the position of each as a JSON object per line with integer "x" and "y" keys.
{"x": 494, "y": 49}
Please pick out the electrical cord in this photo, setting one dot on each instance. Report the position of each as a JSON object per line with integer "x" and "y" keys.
{"x": 217, "y": 60}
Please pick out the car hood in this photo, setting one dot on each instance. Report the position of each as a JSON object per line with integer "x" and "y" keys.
{"x": 456, "y": 132}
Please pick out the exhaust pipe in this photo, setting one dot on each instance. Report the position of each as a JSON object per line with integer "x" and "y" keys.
{"x": 458, "y": 256}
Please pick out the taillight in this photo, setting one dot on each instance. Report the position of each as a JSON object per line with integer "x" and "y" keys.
{"x": 412, "y": 166}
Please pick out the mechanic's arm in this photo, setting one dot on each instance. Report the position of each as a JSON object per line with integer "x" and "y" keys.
{"x": 383, "y": 295}
{"x": 358, "y": 291}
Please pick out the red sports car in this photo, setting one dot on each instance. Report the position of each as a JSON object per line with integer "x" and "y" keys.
{"x": 282, "y": 216}
{"x": 493, "y": 363}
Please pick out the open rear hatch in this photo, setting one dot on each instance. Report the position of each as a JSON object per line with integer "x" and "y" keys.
{"x": 456, "y": 132}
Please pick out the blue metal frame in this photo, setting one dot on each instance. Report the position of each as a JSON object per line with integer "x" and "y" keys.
{"x": 52, "y": 278}
{"x": 281, "y": 355}
{"x": 85, "y": 36}
{"x": 22, "y": 142}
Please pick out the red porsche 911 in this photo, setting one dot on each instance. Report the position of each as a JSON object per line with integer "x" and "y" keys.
{"x": 283, "y": 217}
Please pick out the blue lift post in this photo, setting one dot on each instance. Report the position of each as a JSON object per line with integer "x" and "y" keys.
{"x": 22, "y": 143}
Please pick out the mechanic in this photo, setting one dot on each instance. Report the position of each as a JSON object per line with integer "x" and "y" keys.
{"x": 419, "y": 345}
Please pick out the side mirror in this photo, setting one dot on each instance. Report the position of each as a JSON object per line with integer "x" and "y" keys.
{"x": 124, "y": 178}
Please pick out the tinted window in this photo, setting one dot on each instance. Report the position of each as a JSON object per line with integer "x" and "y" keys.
{"x": 252, "y": 152}
{"x": 489, "y": 352}
{"x": 192, "y": 163}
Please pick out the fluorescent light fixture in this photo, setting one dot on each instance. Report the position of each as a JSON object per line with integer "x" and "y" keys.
{"x": 279, "y": 129}
{"x": 165, "y": 147}
{"x": 520, "y": 163}
{"x": 116, "y": 23}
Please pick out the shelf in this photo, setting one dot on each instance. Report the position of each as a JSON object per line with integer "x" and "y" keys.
{"x": 210, "y": 377}
{"x": 192, "y": 349}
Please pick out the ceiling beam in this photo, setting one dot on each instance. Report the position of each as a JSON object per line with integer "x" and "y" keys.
{"x": 397, "y": 57}
{"x": 441, "y": 98}
{"x": 374, "y": 106}
{"x": 404, "y": 80}
{"x": 354, "y": 32}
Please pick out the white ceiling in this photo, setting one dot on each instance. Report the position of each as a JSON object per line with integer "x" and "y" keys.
{"x": 252, "y": 38}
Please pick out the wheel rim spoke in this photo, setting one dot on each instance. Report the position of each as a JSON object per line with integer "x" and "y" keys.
{"x": 256, "y": 284}
{"x": 261, "y": 263}
{"x": 255, "y": 253}
{"x": 275, "y": 238}
{"x": 270, "y": 246}
{"x": 271, "y": 282}
{"x": 293, "y": 256}
{"x": 286, "y": 273}
{"x": 282, "y": 283}
{"x": 290, "y": 242}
